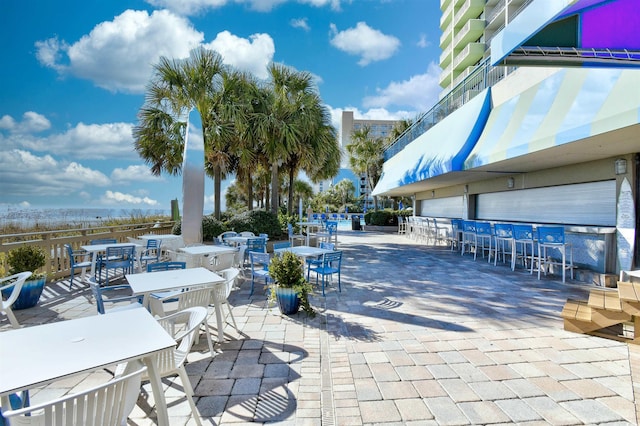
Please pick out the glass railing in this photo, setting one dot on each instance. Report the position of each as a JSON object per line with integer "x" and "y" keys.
{"x": 483, "y": 76}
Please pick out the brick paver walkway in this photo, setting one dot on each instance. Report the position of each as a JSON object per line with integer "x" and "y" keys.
{"x": 418, "y": 335}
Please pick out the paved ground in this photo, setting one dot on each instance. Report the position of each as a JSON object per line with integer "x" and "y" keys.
{"x": 418, "y": 335}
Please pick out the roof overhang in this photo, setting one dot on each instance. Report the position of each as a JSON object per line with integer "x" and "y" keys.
{"x": 592, "y": 33}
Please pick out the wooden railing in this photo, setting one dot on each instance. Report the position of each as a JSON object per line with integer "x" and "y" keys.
{"x": 52, "y": 242}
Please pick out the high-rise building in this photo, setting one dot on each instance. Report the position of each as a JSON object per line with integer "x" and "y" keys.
{"x": 538, "y": 122}
{"x": 467, "y": 29}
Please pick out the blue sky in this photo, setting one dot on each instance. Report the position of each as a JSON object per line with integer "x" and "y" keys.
{"x": 74, "y": 74}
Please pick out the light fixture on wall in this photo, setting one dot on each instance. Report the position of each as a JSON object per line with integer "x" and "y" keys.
{"x": 621, "y": 166}
{"x": 466, "y": 189}
{"x": 433, "y": 194}
{"x": 511, "y": 182}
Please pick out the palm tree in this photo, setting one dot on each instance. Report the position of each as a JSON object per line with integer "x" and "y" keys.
{"x": 317, "y": 151}
{"x": 284, "y": 123}
{"x": 202, "y": 83}
{"x": 366, "y": 157}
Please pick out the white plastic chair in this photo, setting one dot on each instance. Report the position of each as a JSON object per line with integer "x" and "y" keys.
{"x": 183, "y": 326}
{"x": 221, "y": 261}
{"x": 105, "y": 405}
{"x": 222, "y": 291}
{"x": 16, "y": 280}
{"x": 181, "y": 300}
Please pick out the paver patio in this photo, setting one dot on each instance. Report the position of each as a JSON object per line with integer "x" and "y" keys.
{"x": 418, "y": 335}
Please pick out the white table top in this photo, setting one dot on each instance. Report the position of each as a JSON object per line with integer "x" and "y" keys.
{"x": 37, "y": 355}
{"x": 242, "y": 240}
{"x": 151, "y": 282}
{"x": 160, "y": 237}
{"x": 309, "y": 223}
{"x": 304, "y": 251}
{"x": 91, "y": 248}
{"x": 207, "y": 249}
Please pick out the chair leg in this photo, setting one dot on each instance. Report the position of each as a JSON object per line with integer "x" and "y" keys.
{"x": 232, "y": 317}
{"x": 188, "y": 390}
{"x": 12, "y": 318}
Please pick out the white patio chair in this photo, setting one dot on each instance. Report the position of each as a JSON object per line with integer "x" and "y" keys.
{"x": 16, "y": 280}
{"x": 105, "y": 405}
{"x": 183, "y": 326}
{"x": 222, "y": 291}
{"x": 175, "y": 301}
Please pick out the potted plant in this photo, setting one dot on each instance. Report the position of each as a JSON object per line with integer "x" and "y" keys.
{"x": 290, "y": 288}
{"x": 27, "y": 258}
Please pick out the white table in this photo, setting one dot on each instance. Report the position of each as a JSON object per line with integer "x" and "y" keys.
{"x": 237, "y": 240}
{"x": 308, "y": 226}
{"x": 156, "y": 282}
{"x": 95, "y": 249}
{"x": 169, "y": 241}
{"x": 304, "y": 251}
{"x": 38, "y": 355}
{"x": 199, "y": 252}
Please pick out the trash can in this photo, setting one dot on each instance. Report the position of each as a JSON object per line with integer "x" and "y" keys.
{"x": 355, "y": 223}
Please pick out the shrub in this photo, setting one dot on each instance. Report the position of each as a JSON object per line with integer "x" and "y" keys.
{"x": 211, "y": 228}
{"x": 26, "y": 258}
{"x": 256, "y": 221}
{"x": 380, "y": 218}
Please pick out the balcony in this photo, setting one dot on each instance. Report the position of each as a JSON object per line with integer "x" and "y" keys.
{"x": 445, "y": 38}
{"x": 470, "y": 9}
{"x": 445, "y": 58}
{"x": 445, "y": 76}
{"x": 471, "y": 31}
{"x": 444, "y": 4}
{"x": 470, "y": 55}
{"x": 445, "y": 19}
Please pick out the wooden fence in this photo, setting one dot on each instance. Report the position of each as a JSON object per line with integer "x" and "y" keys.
{"x": 52, "y": 242}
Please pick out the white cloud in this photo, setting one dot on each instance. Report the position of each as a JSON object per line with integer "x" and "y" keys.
{"x": 419, "y": 92}
{"x": 300, "y": 23}
{"x": 116, "y": 198}
{"x": 368, "y": 43}
{"x": 84, "y": 141}
{"x": 253, "y": 54}
{"x": 118, "y": 55}
{"x": 423, "y": 42}
{"x": 134, "y": 174}
{"x": 194, "y": 7}
{"x": 33, "y": 176}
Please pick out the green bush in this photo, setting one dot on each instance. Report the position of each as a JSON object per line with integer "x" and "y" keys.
{"x": 256, "y": 221}
{"x": 381, "y": 218}
{"x": 211, "y": 228}
{"x": 26, "y": 258}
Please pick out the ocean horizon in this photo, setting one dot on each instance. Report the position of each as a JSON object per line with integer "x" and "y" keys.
{"x": 51, "y": 216}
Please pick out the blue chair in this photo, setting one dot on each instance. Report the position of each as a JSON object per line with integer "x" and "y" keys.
{"x": 222, "y": 238}
{"x": 552, "y": 238}
{"x": 166, "y": 266}
{"x": 151, "y": 253}
{"x": 468, "y": 236}
{"x": 484, "y": 239}
{"x": 122, "y": 294}
{"x": 282, "y": 245}
{"x": 316, "y": 261}
{"x": 503, "y": 236}
{"x": 330, "y": 233}
{"x": 259, "y": 267}
{"x": 331, "y": 264}
{"x": 524, "y": 246}
{"x": 122, "y": 257}
{"x": 100, "y": 257}
{"x": 75, "y": 263}
{"x": 293, "y": 237}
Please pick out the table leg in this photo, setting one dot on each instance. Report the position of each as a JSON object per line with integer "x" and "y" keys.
{"x": 156, "y": 388}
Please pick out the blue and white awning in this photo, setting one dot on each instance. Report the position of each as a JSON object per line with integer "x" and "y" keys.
{"x": 442, "y": 149}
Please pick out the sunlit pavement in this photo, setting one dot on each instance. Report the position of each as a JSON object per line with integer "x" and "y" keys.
{"x": 418, "y": 335}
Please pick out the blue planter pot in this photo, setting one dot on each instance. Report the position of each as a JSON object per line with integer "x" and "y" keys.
{"x": 29, "y": 294}
{"x": 288, "y": 300}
